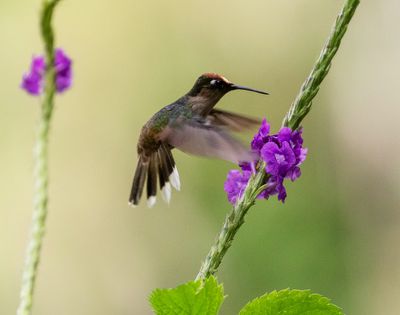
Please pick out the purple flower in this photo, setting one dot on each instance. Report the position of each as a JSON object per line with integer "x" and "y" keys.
{"x": 274, "y": 186}
{"x": 261, "y": 137}
{"x": 279, "y": 159}
{"x": 62, "y": 66}
{"x": 33, "y": 81}
{"x": 283, "y": 153}
{"x": 235, "y": 184}
{"x": 285, "y": 134}
{"x": 294, "y": 173}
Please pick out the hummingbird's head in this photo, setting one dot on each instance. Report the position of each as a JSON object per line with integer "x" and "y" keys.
{"x": 213, "y": 85}
{"x": 208, "y": 90}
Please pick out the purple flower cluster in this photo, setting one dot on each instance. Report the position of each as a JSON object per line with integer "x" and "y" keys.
{"x": 32, "y": 82}
{"x": 283, "y": 153}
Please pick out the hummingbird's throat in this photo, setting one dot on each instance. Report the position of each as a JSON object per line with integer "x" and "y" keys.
{"x": 204, "y": 102}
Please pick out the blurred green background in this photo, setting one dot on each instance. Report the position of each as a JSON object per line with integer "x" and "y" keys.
{"x": 338, "y": 232}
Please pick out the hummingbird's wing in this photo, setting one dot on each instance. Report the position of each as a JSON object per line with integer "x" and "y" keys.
{"x": 232, "y": 121}
{"x": 198, "y": 137}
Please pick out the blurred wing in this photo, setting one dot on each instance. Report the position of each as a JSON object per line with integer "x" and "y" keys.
{"x": 195, "y": 137}
{"x": 234, "y": 122}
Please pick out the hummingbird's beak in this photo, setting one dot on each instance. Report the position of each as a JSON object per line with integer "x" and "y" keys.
{"x": 240, "y": 87}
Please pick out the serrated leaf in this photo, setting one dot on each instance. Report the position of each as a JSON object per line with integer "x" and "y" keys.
{"x": 291, "y": 302}
{"x": 195, "y": 297}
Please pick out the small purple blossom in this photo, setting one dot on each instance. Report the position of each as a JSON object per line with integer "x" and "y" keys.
{"x": 285, "y": 134}
{"x": 235, "y": 184}
{"x": 283, "y": 153}
{"x": 33, "y": 82}
{"x": 261, "y": 137}
{"x": 279, "y": 159}
{"x": 274, "y": 186}
{"x": 62, "y": 65}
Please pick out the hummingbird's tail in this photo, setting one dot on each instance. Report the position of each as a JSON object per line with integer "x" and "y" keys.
{"x": 159, "y": 164}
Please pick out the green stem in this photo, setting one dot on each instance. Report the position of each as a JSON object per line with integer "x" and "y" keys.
{"x": 299, "y": 109}
{"x": 41, "y": 166}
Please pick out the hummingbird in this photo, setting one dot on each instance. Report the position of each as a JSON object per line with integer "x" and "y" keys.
{"x": 192, "y": 125}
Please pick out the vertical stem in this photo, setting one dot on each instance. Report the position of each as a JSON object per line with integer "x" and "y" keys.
{"x": 40, "y": 167}
{"x": 299, "y": 109}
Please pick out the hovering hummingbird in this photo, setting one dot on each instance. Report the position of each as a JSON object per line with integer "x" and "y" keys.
{"x": 192, "y": 125}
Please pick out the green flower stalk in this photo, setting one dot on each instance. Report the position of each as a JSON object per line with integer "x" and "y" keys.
{"x": 41, "y": 165}
{"x": 298, "y": 110}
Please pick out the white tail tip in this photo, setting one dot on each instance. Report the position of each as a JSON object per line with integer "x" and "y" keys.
{"x": 174, "y": 179}
{"x": 151, "y": 201}
{"x": 166, "y": 192}
{"x": 131, "y": 204}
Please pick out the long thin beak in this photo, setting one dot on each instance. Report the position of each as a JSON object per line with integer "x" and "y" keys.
{"x": 240, "y": 87}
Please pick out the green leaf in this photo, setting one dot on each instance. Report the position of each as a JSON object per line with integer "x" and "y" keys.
{"x": 195, "y": 297}
{"x": 291, "y": 302}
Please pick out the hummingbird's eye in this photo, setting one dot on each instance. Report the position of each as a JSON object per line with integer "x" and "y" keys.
{"x": 214, "y": 82}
